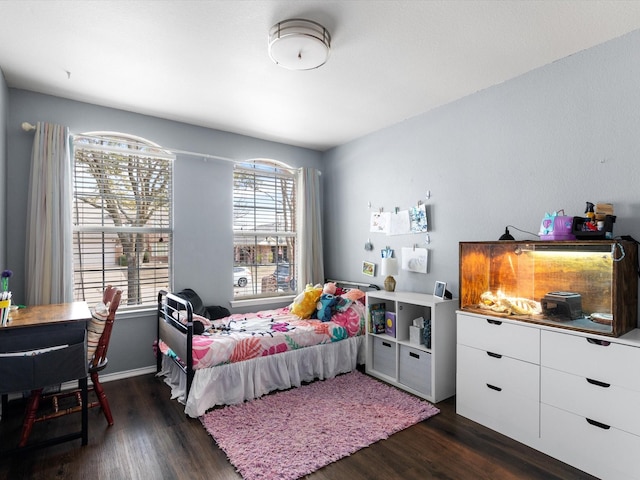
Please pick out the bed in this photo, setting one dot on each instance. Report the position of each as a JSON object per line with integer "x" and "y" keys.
{"x": 244, "y": 356}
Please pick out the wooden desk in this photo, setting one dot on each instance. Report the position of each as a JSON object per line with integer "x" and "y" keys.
{"x": 28, "y": 361}
{"x": 41, "y": 315}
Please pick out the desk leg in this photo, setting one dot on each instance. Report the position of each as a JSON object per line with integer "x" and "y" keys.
{"x": 85, "y": 410}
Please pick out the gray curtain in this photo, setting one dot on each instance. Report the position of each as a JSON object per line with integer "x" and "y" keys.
{"x": 310, "y": 252}
{"x": 49, "y": 249}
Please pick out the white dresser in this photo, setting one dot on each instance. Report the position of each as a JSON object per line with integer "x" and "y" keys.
{"x": 572, "y": 395}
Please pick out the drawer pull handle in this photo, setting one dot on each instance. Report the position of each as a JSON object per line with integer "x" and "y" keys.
{"x": 603, "y": 426}
{"x": 386, "y": 344}
{"x": 494, "y": 355}
{"x": 598, "y": 383}
{"x": 414, "y": 355}
{"x": 494, "y": 322}
{"x": 595, "y": 341}
{"x": 493, "y": 387}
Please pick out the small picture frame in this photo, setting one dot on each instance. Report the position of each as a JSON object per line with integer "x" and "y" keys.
{"x": 369, "y": 269}
{"x": 440, "y": 290}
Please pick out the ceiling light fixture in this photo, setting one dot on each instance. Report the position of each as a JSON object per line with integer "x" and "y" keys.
{"x": 299, "y": 44}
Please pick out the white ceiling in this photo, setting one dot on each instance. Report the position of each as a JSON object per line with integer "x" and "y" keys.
{"x": 206, "y": 62}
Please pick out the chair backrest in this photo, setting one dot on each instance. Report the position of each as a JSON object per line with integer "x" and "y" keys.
{"x": 111, "y": 298}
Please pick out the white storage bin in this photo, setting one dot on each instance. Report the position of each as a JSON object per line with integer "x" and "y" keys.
{"x": 384, "y": 356}
{"x": 415, "y": 369}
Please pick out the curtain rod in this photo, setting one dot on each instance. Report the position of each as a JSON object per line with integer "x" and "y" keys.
{"x": 205, "y": 156}
{"x": 27, "y": 127}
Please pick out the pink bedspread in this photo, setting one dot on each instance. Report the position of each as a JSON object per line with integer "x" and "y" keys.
{"x": 244, "y": 336}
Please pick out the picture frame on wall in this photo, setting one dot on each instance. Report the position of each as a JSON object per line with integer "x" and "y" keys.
{"x": 369, "y": 269}
{"x": 440, "y": 290}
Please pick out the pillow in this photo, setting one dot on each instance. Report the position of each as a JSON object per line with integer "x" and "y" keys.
{"x": 99, "y": 315}
{"x": 200, "y": 323}
{"x": 305, "y": 303}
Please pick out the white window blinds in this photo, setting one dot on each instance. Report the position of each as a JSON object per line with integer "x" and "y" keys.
{"x": 121, "y": 218}
{"x": 264, "y": 227}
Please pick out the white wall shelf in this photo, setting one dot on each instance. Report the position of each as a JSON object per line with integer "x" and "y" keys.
{"x": 426, "y": 371}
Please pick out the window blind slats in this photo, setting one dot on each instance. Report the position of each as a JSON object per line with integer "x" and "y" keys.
{"x": 264, "y": 199}
{"x": 122, "y": 218}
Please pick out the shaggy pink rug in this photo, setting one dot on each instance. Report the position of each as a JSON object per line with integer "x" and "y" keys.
{"x": 290, "y": 434}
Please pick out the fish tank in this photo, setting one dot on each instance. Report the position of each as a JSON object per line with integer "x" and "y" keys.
{"x": 590, "y": 286}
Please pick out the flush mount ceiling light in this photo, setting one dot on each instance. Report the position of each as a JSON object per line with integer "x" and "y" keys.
{"x": 299, "y": 44}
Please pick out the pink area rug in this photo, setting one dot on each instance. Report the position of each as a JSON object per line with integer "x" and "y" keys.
{"x": 290, "y": 434}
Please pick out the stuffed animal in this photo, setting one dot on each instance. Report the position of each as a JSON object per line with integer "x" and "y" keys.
{"x": 325, "y": 306}
{"x": 354, "y": 294}
{"x": 342, "y": 304}
{"x": 329, "y": 287}
{"x": 304, "y": 305}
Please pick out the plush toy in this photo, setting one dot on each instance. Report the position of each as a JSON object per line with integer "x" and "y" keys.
{"x": 354, "y": 294}
{"x": 329, "y": 287}
{"x": 325, "y": 306}
{"x": 305, "y": 303}
{"x": 342, "y": 304}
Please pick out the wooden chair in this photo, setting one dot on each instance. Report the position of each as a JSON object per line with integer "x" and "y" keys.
{"x": 111, "y": 298}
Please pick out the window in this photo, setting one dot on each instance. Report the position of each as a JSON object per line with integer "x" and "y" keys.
{"x": 264, "y": 228}
{"x": 122, "y": 227}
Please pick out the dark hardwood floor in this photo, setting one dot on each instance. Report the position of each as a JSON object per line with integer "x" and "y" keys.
{"x": 153, "y": 439}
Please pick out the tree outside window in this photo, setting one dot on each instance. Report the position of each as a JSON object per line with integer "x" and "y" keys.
{"x": 122, "y": 217}
{"x": 264, "y": 227}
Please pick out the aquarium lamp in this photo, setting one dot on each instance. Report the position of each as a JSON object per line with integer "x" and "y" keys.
{"x": 506, "y": 235}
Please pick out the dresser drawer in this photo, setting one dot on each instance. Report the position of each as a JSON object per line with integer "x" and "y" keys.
{"x": 500, "y": 393}
{"x": 609, "y": 404}
{"x": 514, "y": 377}
{"x": 415, "y": 369}
{"x": 496, "y": 336}
{"x": 384, "y": 356}
{"x": 604, "y": 361}
{"x": 606, "y": 453}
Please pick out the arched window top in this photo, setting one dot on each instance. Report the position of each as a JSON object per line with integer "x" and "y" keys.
{"x": 266, "y": 165}
{"x": 116, "y": 141}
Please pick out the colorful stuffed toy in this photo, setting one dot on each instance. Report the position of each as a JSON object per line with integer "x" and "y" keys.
{"x": 325, "y": 306}
{"x": 354, "y": 294}
{"x": 342, "y": 304}
{"x": 329, "y": 287}
{"x": 304, "y": 305}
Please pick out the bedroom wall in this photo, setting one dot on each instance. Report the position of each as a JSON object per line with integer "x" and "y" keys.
{"x": 551, "y": 139}
{"x": 202, "y": 207}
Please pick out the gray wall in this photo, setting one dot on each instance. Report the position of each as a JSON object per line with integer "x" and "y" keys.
{"x": 202, "y": 201}
{"x": 551, "y": 139}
